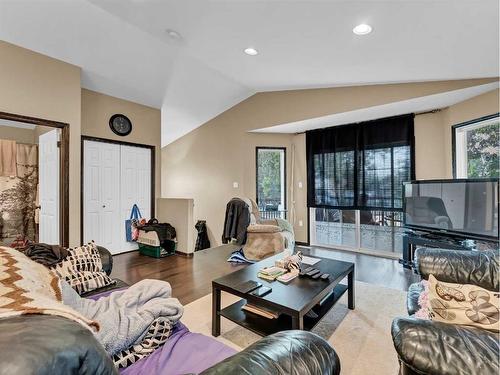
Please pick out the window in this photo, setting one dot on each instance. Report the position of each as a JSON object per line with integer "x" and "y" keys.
{"x": 382, "y": 172}
{"x": 360, "y": 166}
{"x": 271, "y": 182}
{"x": 334, "y": 178}
{"x": 355, "y": 181}
{"x": 477, "y": 145}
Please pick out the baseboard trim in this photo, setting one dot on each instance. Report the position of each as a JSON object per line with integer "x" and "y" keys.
{"x": 180, "y": 253}
{"x": 125, "y": 252}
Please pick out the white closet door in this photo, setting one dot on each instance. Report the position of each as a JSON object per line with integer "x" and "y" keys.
{"x": 135, "y": 184}
{"x": 101, "y": 212}
{"x": 48, "y": 156}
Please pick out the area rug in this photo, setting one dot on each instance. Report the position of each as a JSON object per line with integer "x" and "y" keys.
{"x": 361, "y": 338}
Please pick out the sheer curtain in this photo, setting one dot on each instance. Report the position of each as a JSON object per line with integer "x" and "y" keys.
{"x": 18, "y": 194}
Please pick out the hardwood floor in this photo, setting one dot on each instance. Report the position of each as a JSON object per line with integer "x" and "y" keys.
{"x": 191, "y": 278}
{"x": 370, "y": 269}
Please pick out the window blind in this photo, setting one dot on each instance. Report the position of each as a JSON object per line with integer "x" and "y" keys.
{"x": 362, "y": 165}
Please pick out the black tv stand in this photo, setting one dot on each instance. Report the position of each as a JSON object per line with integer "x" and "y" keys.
{"x": 413, "y": 239}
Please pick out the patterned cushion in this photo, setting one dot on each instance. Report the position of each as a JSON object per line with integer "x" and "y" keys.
{"x": 82, "y": 269}
{"x": 464, "y": 304}
{"x": 157, "y": 335}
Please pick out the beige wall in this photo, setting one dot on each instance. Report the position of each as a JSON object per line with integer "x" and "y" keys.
{"x": 479, "y": 106}
{"x": 430, "y": 160}
{"x": 179, "y": 214}
{"x": 204, "y": 164}
{"x": 204, "y": 168}
{"x": 36, "y": 85}
{"x": 39, "y": 86}
{"x": 18, "y": 134}
{"x": 146, "y": 123}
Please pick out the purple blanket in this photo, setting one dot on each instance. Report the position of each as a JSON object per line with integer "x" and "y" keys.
{"x": 184, "y": 353}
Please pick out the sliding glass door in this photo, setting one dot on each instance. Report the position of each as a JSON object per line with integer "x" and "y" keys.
{"x": 355, "y": 177}
{"x": 377, "y": 232}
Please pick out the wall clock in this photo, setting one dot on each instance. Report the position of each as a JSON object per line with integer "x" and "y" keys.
{"x": 120, "y": 125}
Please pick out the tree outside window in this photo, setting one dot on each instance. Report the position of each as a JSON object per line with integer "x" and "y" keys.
{"x": 477, "y": 148}
{"x": 271, "y": 179}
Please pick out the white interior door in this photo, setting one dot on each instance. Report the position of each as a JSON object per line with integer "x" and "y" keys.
{"x": 49, "y": 189}
{"x": 101, "y": 208}
{"x": 115, "y": 178}
{"x": 135, "y": 184}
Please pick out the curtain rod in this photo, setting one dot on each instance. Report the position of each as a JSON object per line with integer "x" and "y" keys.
{"x": 416, "y": 114}
{"x": 427, "y": 112}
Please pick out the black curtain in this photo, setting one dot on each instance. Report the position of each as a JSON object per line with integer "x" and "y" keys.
{"x": 362, "y": 165}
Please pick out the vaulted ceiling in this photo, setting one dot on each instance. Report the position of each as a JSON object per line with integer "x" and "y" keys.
{"x": 124, "y": 48}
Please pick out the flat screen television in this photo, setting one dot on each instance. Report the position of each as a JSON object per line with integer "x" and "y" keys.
{"x": 466, "y": 208}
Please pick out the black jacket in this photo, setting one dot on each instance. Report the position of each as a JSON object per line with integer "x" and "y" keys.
{"x": 236, "y": 222}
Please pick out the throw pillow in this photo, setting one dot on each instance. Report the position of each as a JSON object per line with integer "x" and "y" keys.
{"x": 423, "y": 302}
{"x": 82, "y": 269}
{"x": 464, "y": 304}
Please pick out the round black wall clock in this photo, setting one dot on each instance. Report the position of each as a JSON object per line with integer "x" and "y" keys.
{"x": 120, "y": 125}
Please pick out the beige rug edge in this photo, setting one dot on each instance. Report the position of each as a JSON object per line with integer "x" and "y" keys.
{"x": 361, "y": 337}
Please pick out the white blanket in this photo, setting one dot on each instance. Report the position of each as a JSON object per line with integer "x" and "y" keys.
{"x": 125, "y": 316}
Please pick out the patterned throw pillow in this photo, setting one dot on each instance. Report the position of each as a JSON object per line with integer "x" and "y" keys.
{"x": 464, "y": 304}
{"x": 157, "y": 335}
{"x": 82, "y": 269}
{"x": 423, "y": 302}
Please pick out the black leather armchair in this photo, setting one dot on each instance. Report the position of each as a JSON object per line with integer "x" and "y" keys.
{"x": 427, "y": 347}
{"x": 288, "y": 352}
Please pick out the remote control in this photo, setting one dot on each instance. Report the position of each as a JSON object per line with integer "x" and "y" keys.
{"x": 313, "y": 272}
{"x": 308, "y": 269}
{"x": 325, "y": 276}
{"x": 317, "y": 276}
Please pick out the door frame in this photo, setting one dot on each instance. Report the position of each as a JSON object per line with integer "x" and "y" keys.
{"x": 63, "y": 167}
{"x": 121, "y": 143}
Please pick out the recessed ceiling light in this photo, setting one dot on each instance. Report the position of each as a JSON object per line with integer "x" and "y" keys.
{"x": 173, "y": 34}
{"x": 362, "y": 29}
{"x": 251, "y": 51}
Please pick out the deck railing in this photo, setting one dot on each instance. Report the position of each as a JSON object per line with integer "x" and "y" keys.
{"x": 267, "y": 215}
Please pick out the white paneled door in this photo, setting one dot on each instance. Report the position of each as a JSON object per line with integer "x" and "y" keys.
{"x": 49, "y": 190}
{"x": 115, "y": 177}
{"x": 136, "y": 183}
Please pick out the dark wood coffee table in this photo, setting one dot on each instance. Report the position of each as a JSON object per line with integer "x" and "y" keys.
{"x": 292, "y": 300}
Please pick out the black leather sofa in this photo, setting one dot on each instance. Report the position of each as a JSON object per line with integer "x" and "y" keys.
{"x": 427, "y": 347}
{"x": 50, "y": 345}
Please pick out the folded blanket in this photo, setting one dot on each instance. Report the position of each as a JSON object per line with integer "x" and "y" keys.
{"x": 126, "y": 316}
{"x": 27, "y": 287}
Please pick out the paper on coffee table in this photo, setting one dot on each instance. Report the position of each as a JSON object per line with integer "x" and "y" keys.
{"x": 309, "y": 260}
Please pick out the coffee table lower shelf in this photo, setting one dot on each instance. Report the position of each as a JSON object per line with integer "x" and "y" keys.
{"x": 263, "y": 326}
